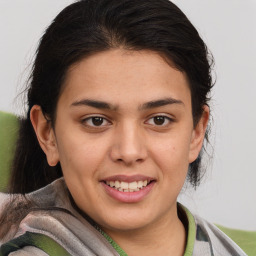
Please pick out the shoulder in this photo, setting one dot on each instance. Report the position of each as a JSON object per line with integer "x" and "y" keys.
{"x": 245, "y": 239}
{"x": 27, "y": 251}
{"x": 4, "y": 198}
{"x": 31, "y": 243}
{"x": 224, "y": 241}
{"x": 205, "y": 238}
{"x": 54, "y": 194}
{"x": 53, "y": 225}
{"x": 16, "y": 208}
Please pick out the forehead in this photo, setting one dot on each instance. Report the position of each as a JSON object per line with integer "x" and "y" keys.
{"x": 121, "y": 76}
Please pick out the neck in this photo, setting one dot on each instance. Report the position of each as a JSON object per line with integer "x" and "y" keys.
{"x": 165, "y": 237}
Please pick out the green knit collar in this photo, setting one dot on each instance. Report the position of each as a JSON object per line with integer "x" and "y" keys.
{"x": 191, "y": 230}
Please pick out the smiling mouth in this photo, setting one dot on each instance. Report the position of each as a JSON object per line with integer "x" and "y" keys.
{"x": 122, "y": 186}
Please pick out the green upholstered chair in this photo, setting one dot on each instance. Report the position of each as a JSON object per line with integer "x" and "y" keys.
{"x": 9, "y": 126}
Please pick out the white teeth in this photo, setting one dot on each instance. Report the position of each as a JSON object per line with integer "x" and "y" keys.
{"x": 127, "y": 187}
{"x": 140, "y": 184}
{"x": 124, "y": 185}
{"x": 133, "y": 185}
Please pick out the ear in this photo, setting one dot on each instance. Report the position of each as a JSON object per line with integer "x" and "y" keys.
{"x": 45, "y": 135}
{"x": 198, "y": 134}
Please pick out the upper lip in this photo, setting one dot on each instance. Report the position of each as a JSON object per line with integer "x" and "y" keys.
{"x": 127, "y": 178}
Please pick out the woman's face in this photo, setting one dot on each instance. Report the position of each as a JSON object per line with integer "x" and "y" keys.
{"x": 125, "y": 137}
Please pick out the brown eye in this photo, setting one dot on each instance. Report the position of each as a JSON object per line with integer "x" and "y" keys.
{"x": 95, "y": 121}
{"x": 159, "y": 120}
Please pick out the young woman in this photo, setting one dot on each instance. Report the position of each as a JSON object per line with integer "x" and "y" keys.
{"x": 117, "y": 116}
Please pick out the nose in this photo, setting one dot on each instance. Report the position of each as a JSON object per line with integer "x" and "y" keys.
{"x": 129, "y": 145}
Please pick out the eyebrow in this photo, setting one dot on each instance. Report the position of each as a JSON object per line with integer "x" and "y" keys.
{"x": 145, "y": 106}
{"x": 160, "y": 103}
{"x": 95, "y": 104}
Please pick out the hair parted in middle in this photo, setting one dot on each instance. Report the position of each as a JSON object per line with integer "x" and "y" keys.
{"x": 90, "y": 26}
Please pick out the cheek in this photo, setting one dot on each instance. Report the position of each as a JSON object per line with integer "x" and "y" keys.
{"x": 172, "y": 155}
{"x": 78, "y": 154}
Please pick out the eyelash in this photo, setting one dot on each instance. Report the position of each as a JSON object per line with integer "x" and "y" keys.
{"x": 167, "y": 120}
{"x": 105, "y": 122}
{"x": 90, "y": 119}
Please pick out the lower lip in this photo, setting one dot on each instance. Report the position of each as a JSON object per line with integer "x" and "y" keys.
{"x": 129, "y": 197}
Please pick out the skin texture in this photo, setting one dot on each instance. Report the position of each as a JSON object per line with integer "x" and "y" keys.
{"x": 127, "y": 141}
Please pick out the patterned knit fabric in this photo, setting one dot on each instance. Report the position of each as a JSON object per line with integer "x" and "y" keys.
{"x": 56, "y": 228}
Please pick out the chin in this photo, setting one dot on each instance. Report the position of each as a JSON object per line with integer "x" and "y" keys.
{"x": 127, "y": 221}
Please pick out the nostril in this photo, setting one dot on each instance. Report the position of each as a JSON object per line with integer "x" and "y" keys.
{"x": 129, "y": 161}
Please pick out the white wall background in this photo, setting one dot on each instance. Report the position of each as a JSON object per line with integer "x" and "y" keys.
{"x": 228, "y": 193}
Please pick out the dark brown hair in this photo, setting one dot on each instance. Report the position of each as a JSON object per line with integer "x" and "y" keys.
{"x": 90, "y": 26}
{"x": 87, "y": 27}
